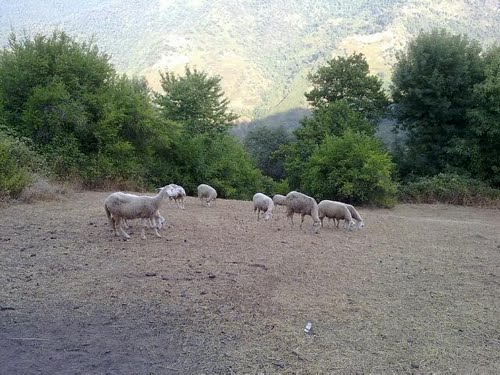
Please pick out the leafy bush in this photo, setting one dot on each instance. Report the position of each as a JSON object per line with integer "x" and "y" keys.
{"x": 353, "y": 168}
{"x": 451, "y": 189}
{"x": 18, "y": 163}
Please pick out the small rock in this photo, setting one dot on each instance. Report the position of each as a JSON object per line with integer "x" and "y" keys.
{"x": 211, "y": 276}
{"x": 150, "y": 273}
{"x": 32, "y": 255}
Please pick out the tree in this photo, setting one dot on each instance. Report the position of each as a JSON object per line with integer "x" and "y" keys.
{"x": 433, "y": 85}
{"x": 347, "y": 79}
{"x": 484, "y": 142}
{"x": 196, "y": 101}
{"x": 65, "y": 96}
{"x": 331, "y": 120}
{"x": 352, "y": 167}
{"x": 262, "y": 142}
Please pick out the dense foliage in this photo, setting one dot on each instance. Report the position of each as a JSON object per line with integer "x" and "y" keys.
{"x": 196, "y": 101}
{"x": 103, "y": 129}
{"x": 351, "y": 168}
{"x": 18, "y": 165}
{"x": 449, "y": 188}
{"x": 65, "y": 111}
{"x": 348, "y": 79}
{"x": 263, "y": 143}
{"x": 335, "y": 154}
{"x": 433, "y": 84}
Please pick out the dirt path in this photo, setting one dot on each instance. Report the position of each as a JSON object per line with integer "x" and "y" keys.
{"x": 416, "y": 291}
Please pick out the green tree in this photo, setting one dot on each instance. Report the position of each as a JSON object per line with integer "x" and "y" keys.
{"x": 196, "y": 101}
{"x": 348, "y": 79}
{"x": 352, "y": 167}
{"x": 66, "y": 96}
{"x": 433, "y": 86}
{"x": 262, "y": 142}
{"x": 331, "y": 120}
{"x": 483, "y": 144}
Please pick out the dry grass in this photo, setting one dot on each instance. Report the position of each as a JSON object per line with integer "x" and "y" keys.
{"x": 415, "y": 292}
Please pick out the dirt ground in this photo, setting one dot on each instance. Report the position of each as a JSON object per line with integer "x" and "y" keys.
{"x": 417, "y": 291}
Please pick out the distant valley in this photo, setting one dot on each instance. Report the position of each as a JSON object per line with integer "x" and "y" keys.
{"x": 263, "y": 50}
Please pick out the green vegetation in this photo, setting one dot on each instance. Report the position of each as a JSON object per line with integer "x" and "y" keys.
{"x": 446, "y": 93}
{"x": 18, "y": 165}
{"x": 451, "y": 189}
{"x": 65, "y": 112}
{"x": 335, "y": 155}
{"x": 263, "y": 143}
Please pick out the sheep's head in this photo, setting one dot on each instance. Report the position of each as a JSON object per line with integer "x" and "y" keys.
{"x": 316, "y": 226}
{"x": 351, "y": 225}
{"x": 361, "y": 224}
{"x": 169, "y": 190}
{"x": 268, "y": 215}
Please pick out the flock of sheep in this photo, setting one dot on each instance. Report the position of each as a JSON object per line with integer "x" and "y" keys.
{"x": 121, "y": 207}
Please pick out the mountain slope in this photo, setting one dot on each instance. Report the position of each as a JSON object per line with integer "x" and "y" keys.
{"x": 263, "y": 49}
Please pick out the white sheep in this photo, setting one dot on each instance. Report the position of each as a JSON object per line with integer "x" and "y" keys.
{"x": 298, "y": 203}
{"x": 262, "y": 202}
{"x": 157, "y": 221}
{"x": 208, "y": 193}
{"x": 178, "y": 198}
{"x": 120, "y": 206}
{"x": 279, "y": 200}
{"x": 356, "y": 216}
{"x": 337, "y": 211}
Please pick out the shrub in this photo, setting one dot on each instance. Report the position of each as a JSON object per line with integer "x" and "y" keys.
{"x": 18, "y": 162}
{"x": 449, "y": 188}
{"x": 352, "y": 168}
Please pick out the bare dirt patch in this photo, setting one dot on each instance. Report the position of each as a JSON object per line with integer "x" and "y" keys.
{"x": 415, "y": 291}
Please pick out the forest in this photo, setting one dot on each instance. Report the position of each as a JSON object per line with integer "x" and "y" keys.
{"x": 68, "y": 116}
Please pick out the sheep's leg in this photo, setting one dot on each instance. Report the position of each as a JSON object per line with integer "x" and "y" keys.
{"x": 113, "y": 224}
{"x": 156, "y": 233}
{"x": 290, "y": 218}
{"x": 121, "y": 229}
{"x": 302, "y": 220}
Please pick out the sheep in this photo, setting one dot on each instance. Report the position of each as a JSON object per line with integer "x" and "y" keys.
{"x": 335, "y": 210}
{"x": 208, "y": 193}
{"x": 120, "y": 206}
{"x": 356, "y": 216}
{"x": 262, "y": 202}
{"x": 304, "y": 205}
{"x": 157, "y": 221}
{"x": 279, "y": 200}
{"x": 179, "y": 196}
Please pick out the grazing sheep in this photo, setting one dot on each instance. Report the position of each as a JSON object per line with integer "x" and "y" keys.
{"x": 157, "y": 221}
{"x": 120, "y": 206}
{"x": 208, "y": 193}
{"x": 279, "y": 200}
{"x": 356, "y": 216}
{"x": 262, "y": 202}
{"x": 179, "y": 196}
{"x": 335, "y": 210}
{"x": 298, "y": 203}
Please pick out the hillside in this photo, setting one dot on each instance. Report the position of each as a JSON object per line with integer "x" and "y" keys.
{"x": 263, "y": 49}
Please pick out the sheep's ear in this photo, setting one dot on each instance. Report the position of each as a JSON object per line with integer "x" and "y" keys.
{"x": 158, "y": 189}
